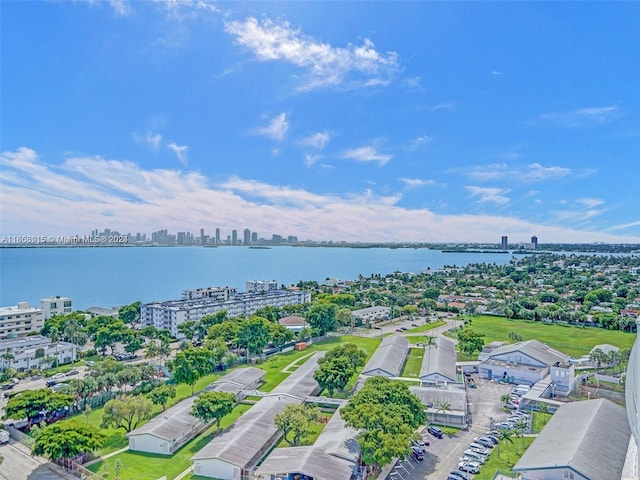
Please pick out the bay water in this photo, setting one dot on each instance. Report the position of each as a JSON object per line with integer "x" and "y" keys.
{"x": 113, "y": 276}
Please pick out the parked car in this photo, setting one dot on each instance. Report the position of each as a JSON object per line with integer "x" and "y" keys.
{"x": 414, "y": 324}
{"x": 425, "y": 439}
{"x": 51, "y": 383}
{"x": 457, "y": 474}
{"x": 58, "y": 375}
{"x": 435, "y": 431}
{"x": 6, "y": 386}
{"x": 72, "y": 372}
{"x": 419, "y": 444}
{"x": 485, "y": 442}
{"x": 471, "y": 467}
{"x": 481, "y": 450}
{"x": 417, "y": 454}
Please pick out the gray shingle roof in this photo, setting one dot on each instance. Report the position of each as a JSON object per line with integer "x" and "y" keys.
{"x": 533, "y": 349}
{"x": 440, "y": 359}
{"x": 389, "y": 356}
{"x": 339, "y": 440}
{"x": 177, "y": 420}
{"x": 244, "y": 441}
{"x": 590, "y": 437}
{"x": 307, "y": 460}
{"x": 434, "y": 396}
{"x": 172, "y": 424}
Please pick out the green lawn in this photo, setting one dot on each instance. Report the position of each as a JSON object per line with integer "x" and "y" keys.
{"x": 569, "y": 339}
{"x": 427, "y": 327}
{"x": 539, "y": 421}
{"x": 147, "y": 466}
{"x": 413, "y": 364}
{"x": 274, "y": 365}
{"x": 317, "y": 429}
{"x": 505, "y": 459}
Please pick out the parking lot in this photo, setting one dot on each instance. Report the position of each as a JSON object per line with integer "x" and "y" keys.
{"x": 443, "y": 455}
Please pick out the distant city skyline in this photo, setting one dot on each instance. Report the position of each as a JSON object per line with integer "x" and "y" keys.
{"x": 345, "y": 121}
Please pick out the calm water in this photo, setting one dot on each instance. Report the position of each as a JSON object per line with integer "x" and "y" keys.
{"x": 119, "y": 275}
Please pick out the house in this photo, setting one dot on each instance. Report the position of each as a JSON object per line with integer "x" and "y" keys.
{"x": 235, "y": 453}
{"x": 335, "y": 455}
{"x": 35, "y": 351}
{"x": 168, "y": 431}
{"x": 527, "y": 363}
{"x": 439, "y": 363}
{"x": 434, "y": 398}
{"x": 585, "y": 440}
{"x": 389, "y": 357}
{"x": 294, "y": 323}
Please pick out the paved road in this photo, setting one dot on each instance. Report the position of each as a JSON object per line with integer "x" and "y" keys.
{"x": 19, "y": 465}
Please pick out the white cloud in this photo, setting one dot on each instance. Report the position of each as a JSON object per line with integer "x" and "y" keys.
{"x": 317, "y": 140}
{"x": 180, "y": 151}
{"x": 534, "y": 172}
{"x": 590, "y": 202}
{"x": 420, "y": 140}
{"x": 311, "y": 159}
{"x": 276, "y": 129}
{"x": 322, "y": 64}
{"x": 490, "y": 195}
{"x": 366, "y": 154}
{"x": 496, "y": 73}
{"x": 152, "y": 140}
{"x": 416, "y": 182}
{"x": 89, "y": 191}
{"x": 122, "y": 8}
{"x": 581, "y": 116}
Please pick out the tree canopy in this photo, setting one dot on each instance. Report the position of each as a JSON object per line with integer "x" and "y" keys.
{"x": 386, "y": 414}
{"x": 211, "y": 406}
{"x": 67, "y": 439}
{"x": 296, "y": 420}
{"x": 31, "y": 403}
{"x": 126, "y": 412}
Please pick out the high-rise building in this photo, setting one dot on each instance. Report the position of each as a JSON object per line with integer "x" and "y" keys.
{"x": 254, "y": 237}
{"x": 234, "y": 237}
{"x": 534, "y": 242}
{"x": 217, "y": 236}
{"x": 504, "y": 242}
{"x": 247, "y": 237}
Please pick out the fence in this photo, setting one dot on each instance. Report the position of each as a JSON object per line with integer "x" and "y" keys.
{"x": 505, "y": 474}
{"x": 78, "y": 470}
{"x": 20, "y": 436}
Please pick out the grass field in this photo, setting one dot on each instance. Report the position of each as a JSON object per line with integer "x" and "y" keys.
{"x": 427, "y": 327}
{"x": 413, "y": 363}
{"x": 116, "y": 440}
{"x": 569, "y": 339}
{"x": 147, "y": 466}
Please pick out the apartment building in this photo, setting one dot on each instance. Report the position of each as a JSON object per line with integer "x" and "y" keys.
{"x": 19, "y": 320}
{"x": 57, "y": 305}
{"x": 169, "y": 314}
{"x": 35, "y": 351}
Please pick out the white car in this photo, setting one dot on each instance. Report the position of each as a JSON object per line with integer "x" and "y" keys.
{"x": 57, "y": 376}
{"x": 471, "y": 467}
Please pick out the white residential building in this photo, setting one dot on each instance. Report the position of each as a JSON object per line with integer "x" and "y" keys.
{"x": 57, "y": 305}
{"x": 20, "y": 320}
{"x": 168, "y": 315}
{"x": 261, "y": 285}
{"x": 35, "y": 352}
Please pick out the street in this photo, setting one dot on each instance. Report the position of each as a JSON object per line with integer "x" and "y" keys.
{"x": 20, "y": 465}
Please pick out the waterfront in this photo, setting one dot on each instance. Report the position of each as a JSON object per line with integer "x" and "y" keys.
{"x": 120, "y": 275}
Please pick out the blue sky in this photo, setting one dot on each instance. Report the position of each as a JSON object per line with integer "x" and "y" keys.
{"x": 357, "y": 121}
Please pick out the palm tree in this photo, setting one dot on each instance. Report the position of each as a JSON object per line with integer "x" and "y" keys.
{"x": 152, "y": 350}
{"x": 7, "y": 358}
{"x": 54, "y": 336}
{"x": 544, "y": 410}
{"x": 504, "y": 435}
{"x": 444, "y": 407}
{"x": 522, "y": 425}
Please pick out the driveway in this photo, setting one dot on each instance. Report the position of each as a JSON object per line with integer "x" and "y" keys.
{"x": 443, "y": 454}
{"x": 20, "y": 465}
